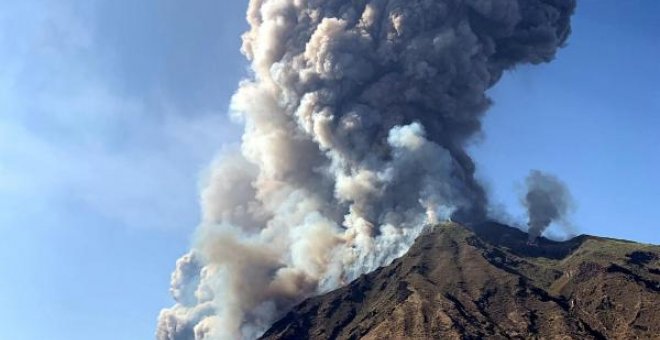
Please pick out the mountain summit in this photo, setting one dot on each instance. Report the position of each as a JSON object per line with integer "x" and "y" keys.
{"x": 487, "y": 282}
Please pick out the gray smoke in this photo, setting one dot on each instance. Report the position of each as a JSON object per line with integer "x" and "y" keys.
{"x": 356, "y": 119}
{"x": 547, "y": 200}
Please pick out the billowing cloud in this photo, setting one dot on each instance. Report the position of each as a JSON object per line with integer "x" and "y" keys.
{"x": 547, "y": 200}
{"x": 356, "y": 120}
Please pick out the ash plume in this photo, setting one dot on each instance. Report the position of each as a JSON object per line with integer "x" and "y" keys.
{"x": 356, "y": 119}
{"x": 547, "y": 200}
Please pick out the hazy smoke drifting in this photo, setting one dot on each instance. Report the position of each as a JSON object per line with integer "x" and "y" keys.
{"x": 355, "y": 120}
{"x": 547, "y": 200}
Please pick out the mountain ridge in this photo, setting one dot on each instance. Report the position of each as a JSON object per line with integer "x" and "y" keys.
{"x": 487, "y": 281}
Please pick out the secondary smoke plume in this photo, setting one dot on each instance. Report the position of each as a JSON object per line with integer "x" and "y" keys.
{"x": 356, "y": 118}
{"x": 547, "y": 200}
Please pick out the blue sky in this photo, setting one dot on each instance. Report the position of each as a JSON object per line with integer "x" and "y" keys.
{"x": 110, "y": 111}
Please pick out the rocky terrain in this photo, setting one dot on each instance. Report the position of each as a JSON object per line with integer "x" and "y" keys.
{"x": 488, "y": 282}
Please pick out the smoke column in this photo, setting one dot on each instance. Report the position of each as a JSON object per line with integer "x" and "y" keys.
{"x": 547, "y": 200}
{"x": 356, "y": 116}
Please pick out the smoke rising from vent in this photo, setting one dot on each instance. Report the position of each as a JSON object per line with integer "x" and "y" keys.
{"x": 356, "y": 118}
{"x": 547, "y": 200}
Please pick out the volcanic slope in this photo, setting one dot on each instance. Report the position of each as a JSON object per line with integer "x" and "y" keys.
{"x": 487, "y": 282}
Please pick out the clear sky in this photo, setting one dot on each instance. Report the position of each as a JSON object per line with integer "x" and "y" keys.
{"x": 111, "y": 109}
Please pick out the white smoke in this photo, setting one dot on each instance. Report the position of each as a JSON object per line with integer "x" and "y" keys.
{"x": 355, "y": 120}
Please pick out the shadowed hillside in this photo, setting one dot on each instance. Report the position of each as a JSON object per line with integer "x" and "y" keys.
{"x": 486, "y": 281}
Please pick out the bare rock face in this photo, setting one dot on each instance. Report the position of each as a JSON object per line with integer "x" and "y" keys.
{"x": 487, "y": 282}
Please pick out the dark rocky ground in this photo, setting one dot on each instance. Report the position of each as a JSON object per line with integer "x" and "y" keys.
{"x": 487, "y": 282}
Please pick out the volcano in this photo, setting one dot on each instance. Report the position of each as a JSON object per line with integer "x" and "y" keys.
{"x": 486, "y": 281}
